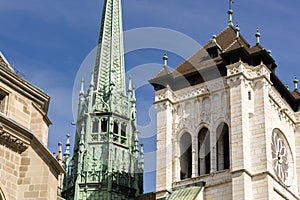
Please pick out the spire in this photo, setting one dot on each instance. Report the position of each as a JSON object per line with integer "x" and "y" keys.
{"x": 109, "y": 66}
{"x": 257, "y": 35}
{"x": 165, "y": 58}
{"x": 230, "y": 13}
{"x": 296, "y": 83}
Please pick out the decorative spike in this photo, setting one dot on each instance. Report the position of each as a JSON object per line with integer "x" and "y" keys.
{"x": 136, "y": 141}
{"x": 59, "y": 156}
{"x": 142, "y": 156}
{"x": 130, "y": 86}
{"x": 257, "y": 35}
{"x": 230, "y": 22}
{"x": 67, "y": 151}
{"x": 214, "y": 39}
{"x": 82, "y": 87}
{"x": 237, "y": 29}
{"x": 230, "y": 13}
{"x": 133, "y": 100}
{"x": 296, "y": 83}
{"x": 92, "y": 80}
{"x": 165, "y": 58}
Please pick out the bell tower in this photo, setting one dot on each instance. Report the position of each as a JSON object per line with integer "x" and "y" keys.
{"x": 227, "y": 127}
{"x": 106, "y": 162}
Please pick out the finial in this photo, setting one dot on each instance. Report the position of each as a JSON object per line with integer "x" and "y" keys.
{"x": 92, "y": 79}
{"x": 237, "y": 29}
{"x": 296, "y": 83}
{"x": 230, "y": 13}
{"x": 130, "y": 86}
{"x": 257, "y": 35}
{"x": 165, "y": 58}
{"x": 67, "y": 151}
{"x": 59, "y": 153}
{"x": 82, "y": 87}
{"x": 214, "y": 39}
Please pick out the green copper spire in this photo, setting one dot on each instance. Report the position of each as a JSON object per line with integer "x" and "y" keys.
{"x": 109, "y": 76}
{"x": 106, "y": 161}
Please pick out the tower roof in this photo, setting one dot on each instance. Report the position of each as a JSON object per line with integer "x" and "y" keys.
{"x": 224, "y": 49}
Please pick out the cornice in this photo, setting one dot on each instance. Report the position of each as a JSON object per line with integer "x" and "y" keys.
{"x": 19, "y": 138}
{"x": 23, "y": 87}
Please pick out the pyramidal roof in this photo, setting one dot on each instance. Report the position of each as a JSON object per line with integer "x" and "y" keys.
{"x": 229, "y": 46}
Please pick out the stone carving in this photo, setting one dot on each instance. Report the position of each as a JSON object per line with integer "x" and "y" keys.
{"x": 13, "y": 142}
{"x": 281, "y": 158}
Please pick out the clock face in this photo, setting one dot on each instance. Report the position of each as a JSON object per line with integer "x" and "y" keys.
{"x": 282, "y": 158}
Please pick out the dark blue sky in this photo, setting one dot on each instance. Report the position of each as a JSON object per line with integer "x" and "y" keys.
{"x": 48, "y": 40}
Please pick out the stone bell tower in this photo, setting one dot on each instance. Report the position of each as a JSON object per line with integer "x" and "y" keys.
{"x": 227, "y": 128}
{"x": 106, "y": 163}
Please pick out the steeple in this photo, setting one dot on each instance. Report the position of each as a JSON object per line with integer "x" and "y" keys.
{"x": 105, "y": 162}
{"x": 109, "y": 76}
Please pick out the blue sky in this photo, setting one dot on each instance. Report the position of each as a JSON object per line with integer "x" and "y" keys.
{"x": 47, "y": 41}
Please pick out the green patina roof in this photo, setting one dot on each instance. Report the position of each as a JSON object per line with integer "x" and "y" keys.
{"x": 189, "y": 193}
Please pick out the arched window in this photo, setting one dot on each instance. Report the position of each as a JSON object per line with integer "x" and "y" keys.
{"x": 116, "y": 128}
{"x": 95, "y": 128}
{"x": 104, "y": 125}
{"x": 123, "y": 130}
{"x": 204, "y": 151}
{"x": 185, "y": 156}
{"x": 223, "y": 160}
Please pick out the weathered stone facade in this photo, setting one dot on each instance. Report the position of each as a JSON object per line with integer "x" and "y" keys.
{"x": 27, "y": 169}
{"x": 228, "y": 122}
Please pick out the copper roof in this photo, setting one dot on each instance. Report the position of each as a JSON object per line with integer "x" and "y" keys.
{"x": 188, "y": 193}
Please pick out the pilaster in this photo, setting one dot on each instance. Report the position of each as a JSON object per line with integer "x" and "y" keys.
{"x": 297, "y": 139}
{"x": 164, "y": 152}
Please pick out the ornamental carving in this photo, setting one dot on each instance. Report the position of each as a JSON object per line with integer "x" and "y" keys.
{"x": 282, "y": 158}
{"x": 13, "y": 142}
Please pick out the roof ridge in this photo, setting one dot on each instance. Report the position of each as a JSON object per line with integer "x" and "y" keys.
{"x": 164, "y": 68}
{"x": 233, "y": 43}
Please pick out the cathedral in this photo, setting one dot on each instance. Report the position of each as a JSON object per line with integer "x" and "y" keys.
{"x": 227, "y": 127}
